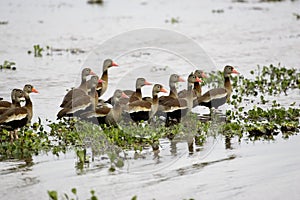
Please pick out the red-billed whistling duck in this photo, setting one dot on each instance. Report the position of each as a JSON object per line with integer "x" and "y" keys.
{"x": 107, "y": 115}
{"x": 80, "y": 91}
{"x": 82, "y": 103}
{"x": 218, "y": 96}
{"x": 134, "y": 95}
{"x": 16, "y": 94}
{"x": 142, "y": 110}
{"x": 18, "y": 117}
{"x": 102, "y": 87}
{"x": 197, "y": 90}
{"x": 13, "y": 103}
{"x": 174, "y": 78}
{"x": 137, "y": 95}
{"x": 178, "y": 107}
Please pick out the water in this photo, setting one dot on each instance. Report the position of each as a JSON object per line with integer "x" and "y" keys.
{"x": 245, "y": 34}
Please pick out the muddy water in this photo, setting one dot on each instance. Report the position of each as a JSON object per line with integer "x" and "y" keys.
{"x": 242, "y": 34}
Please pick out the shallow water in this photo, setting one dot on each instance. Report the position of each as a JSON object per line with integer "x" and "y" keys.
{"x": 245, "y": 34}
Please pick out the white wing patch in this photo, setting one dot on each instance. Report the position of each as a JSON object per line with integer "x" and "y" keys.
{"x": 16, "y": 117}
{"x": 218, "y": 96}
{"x": 137, "y": 109}
{"x": 75, "y": 109}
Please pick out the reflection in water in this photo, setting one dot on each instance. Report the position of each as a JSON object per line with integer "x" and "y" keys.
{"x": 190, "y": 143}
{"x": 173, "y": 148}
{"x": 228, "y": 142}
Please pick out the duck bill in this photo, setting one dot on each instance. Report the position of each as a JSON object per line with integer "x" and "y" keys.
{"x": 114, "y": 64}
{"x": 100, "y": 81}
{"x": 147, "y": 83}
{"x": 124, "y": 96}
{"x": 34, "y": 90}
{"x": 92, "y": 73}
{"x": 181, "y": 80}
{"x": 163, "y": 90}
{"x": 198, "y": 80}
{"x": 234, "y": 71}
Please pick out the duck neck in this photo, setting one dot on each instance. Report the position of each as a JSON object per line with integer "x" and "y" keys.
{"x": 138, "y": 92}
{"x": 197, "y": 89}
{"x": 173, "y": 90}
{"x": 28, "y": 106}
{"x": 16, "y": 102}
{"x": 117, "y": 105}
{"x": 104, "y": 77}
{"x": 94, "y": 97}
{"x": 189, "y": 96}
{"x": 83, "y": 80}
{"x": 154, "y": 99}
{"x": 227, "y": 83}
{"x": 28, "y": 103}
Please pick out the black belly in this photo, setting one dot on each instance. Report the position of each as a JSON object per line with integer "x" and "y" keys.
{"x": 214, "y": 103}
{"x": 140, "y": 116}
{"x": 12, "y": 125}
{"x": 175, "y": 116}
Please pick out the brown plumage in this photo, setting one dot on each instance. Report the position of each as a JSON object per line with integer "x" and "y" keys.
{"x": 217, "y": 96}
{"x": 174, "y": 78}
{"x": 142, "y": 110}
{"x": 108, "y": 115}
{"x": 176, "y": 108}
{"x": 197, "y": 90}
{"x": 102, "y": 87}
{"x": 80, "y": 91}
{"x": 134, "y": 95}
{"x": 18, "y": 117}
{"x": 79, "y": 104}
{"x": 137, "y": 95}
{"x": 15, "y": 93}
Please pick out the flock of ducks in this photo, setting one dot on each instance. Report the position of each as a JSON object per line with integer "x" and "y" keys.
{"x": 84, "y": 101}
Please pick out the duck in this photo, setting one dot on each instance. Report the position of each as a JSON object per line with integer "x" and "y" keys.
{"x": 13, "y": 103}
{"x": 82, "y": 103}
{"x": 174, "y": 78}
{"x": 105, "y": 114}
{"x": 16, "y": 95}
{"x": 197, "y": 87}
{"x": 137, "y": 95}
{"x": 143, "y": 110}
{"x": 176, "y": 108}
{"x": 81, "y": 90}
{"x": 18, "y": 117}
{"x": 134, "y": 95}
{"x": 102, "y": 87}
{"x": 218, "y": 96}
{"x": 197, "y": 90}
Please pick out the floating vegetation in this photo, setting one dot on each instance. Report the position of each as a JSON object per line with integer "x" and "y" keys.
{"x": 39, "y": 51}
{"x": 8, "y": 65}
{"x": 54, "y": 195}
{"x": 3, "y": 22}
{"x": 173, "y": 20}
{"x": 217, "y": 11}
{"x": 99, "y": 2}
{"x": 297, "y": 16}
{"x": 249, "y": 119}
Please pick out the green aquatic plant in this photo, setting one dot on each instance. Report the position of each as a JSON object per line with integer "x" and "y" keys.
{"x": 8, "y": 65}
{"x": 173, "y": 20}
{"x": 53, "y": 195}
{"x": 249, "y": 119}
{"x": 37, "y": 49}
